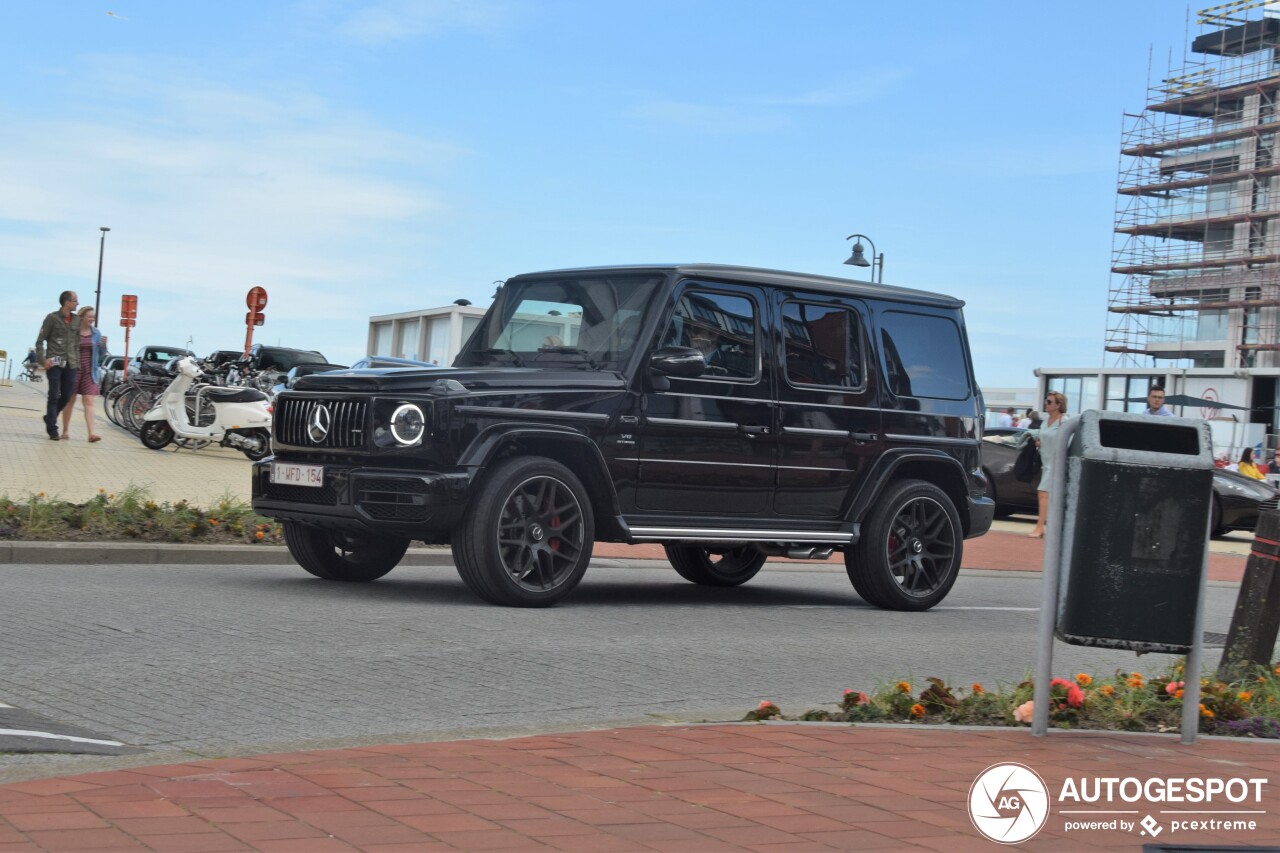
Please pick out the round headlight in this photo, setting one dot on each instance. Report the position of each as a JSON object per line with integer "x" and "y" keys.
{"x": 408, "y": 424}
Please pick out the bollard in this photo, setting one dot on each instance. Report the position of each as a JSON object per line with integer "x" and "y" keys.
{"x": 1256, "y": 622}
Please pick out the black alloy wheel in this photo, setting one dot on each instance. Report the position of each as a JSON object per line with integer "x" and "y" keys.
{"x": 338, "y": 555}
{"x": 527, "y": 537}
{"x": 909, "y": 555}
{"x": 156, "y": 434}
{"x": 715, "y": 566}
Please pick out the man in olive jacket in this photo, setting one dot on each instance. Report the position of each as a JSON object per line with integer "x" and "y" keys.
{"x": 58, "y": 349}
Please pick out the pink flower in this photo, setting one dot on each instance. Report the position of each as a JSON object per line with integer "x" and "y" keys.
{"x": 1173, "y": 687}
{"x": 1024, "y": 711}
{"x": 1059, "y": 682}
{"x": 1075, "y": 696}
{"x": 766, "y": 705}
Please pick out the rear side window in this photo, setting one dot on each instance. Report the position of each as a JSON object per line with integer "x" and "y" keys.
{"x": 924, "y": 356}
{"x": 823, "y": 345}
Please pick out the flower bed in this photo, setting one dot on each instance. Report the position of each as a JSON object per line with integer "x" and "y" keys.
{"x": 132, "y": 515}
{"x": 1125, "y": 701}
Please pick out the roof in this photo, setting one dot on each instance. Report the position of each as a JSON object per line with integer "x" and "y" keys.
{"x": 774, "y": 278}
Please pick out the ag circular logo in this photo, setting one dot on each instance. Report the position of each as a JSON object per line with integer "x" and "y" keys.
{"x": 1008, "y": 803}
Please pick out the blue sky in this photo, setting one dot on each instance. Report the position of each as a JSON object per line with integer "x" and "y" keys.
{"x": 360, "y": 158}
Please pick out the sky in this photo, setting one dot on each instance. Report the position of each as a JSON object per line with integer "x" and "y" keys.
{"x": 365, "y": 158}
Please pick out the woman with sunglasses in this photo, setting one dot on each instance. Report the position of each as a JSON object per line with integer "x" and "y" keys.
{"x": 1055, "y": 409}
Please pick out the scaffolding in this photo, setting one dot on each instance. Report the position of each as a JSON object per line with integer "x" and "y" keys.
{"x": 1196, "y": 256}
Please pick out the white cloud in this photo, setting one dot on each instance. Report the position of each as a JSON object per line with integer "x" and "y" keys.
{"x": 210, "y": 190}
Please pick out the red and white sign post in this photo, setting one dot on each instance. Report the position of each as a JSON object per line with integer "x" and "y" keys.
{"x": 256, "y": 300}
{"x": 128, "y": 319}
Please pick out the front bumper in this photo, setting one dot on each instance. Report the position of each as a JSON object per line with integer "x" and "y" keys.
{"x": 412, "y": 504}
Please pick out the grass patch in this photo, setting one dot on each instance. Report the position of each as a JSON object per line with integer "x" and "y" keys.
{"x": 132, "y": 514}
{"x": 1125, "y": 701}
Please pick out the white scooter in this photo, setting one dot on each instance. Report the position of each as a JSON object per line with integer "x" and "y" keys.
{"x": 235, "y": 417}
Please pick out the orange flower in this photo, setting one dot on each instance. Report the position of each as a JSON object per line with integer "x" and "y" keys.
{"x": 917, "y": 710}
{"x": 1179, "y": 693}
{"x": 1135, "y": 680}
{"x": 1084, "y": 679}
{"x": 1023, "y": 712}
{"x": 978, "y": 689}
{"x": 213, "y": 522}
{"x": 1205, "y": 712}
{"x": 904, "y": 687}
{"x": 1244, "y": 696}
{"x": 1107, "y": 690}
{"x": 258, "y": 535}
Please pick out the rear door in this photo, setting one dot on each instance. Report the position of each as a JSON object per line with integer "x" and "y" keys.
{"x": 828, "y": 400}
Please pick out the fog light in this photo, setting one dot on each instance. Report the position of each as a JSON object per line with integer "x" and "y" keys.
{"x": 408, "y": 424}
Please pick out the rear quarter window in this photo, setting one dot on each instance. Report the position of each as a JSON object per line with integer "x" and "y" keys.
{"x": 924, "y": 356}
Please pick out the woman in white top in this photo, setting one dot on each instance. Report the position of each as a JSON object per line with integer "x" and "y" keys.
{"x": 1055, "y": 409}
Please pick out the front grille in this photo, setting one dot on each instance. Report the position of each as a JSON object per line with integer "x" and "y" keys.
{"x": 1270, "y": 504}
{"x": 392, "y": 499}
{"x": 347, "y": 422}
{"x": 325, "y": 494}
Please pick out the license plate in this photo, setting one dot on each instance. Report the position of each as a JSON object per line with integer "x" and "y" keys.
{"x": 297, "y": 475}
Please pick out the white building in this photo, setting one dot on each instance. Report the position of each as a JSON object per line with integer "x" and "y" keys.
{"x": 431, "y": 334}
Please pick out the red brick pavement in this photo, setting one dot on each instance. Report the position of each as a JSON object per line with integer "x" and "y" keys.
{"x": 775, "y": 787}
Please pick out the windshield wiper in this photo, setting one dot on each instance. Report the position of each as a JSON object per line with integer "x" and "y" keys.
{"x": 514, "y": 358}
{"x": 566, "y": 350}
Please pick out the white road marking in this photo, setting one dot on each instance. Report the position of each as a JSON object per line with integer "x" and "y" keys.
{"x": 51, "y": 736}
{"x": 1010, "y": 609}
{"x": 2, "y": 705}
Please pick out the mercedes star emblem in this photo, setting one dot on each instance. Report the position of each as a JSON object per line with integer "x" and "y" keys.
{"x": 318, "y": 424}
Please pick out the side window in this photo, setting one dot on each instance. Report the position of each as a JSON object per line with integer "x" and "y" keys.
{"x": 823, "y": 345}
{"x": 720, "y": 326}
{"x": 924, "y": 356}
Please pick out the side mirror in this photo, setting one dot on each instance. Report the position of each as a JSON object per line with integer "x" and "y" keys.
{"x": 685, "y": 362}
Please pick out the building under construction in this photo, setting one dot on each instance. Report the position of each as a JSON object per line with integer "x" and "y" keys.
{"x": 1196, "y": 266}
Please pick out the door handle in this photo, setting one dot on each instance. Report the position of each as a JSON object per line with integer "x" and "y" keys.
{"x": 864, "y": 436}
{"x": 753, "y": 430}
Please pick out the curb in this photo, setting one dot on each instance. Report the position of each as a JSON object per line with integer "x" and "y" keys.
{"x": 122, "y": 553}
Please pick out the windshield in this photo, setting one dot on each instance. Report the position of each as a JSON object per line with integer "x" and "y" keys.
{"x": 589, "y": 322}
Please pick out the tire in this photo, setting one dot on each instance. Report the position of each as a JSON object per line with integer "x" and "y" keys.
{"x": 337, "y": 555}
{"x": 909, "y": 555}
{"x": 1215, "y": 521}
{"x": 718, "y": 567}
{"x": 264, "y": 451}
{"x": 156, "y": 434}
{"x": 527, "y": 536}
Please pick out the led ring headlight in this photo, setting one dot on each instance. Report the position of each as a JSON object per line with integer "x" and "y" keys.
{"x": 408, "y": 424}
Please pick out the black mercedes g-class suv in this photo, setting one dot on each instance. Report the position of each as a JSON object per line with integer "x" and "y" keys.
{"x": 729, "y": 413}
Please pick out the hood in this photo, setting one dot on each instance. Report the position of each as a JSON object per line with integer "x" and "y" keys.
{"x": 448, "y": 381}
{"x": 1240, "y": 484}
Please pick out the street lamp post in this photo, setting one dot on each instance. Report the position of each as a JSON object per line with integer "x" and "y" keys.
{"x": 97, "y": 296}
{"x": 858, "y": 259}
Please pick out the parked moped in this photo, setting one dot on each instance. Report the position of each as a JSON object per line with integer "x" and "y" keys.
{"x": 235, "y": 417}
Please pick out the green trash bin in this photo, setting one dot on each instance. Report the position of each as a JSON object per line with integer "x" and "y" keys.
{"x": 1138, "y": 492}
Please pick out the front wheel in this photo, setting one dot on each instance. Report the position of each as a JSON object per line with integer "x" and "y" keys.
{"x": 909, "y": 555}
{"x": 526, "y": 538}
{"x": 156, "y": 434}
{"x": 337, "y": 555}
{"x": 715, "y": 567}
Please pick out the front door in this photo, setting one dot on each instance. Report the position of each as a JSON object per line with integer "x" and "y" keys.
{"x": 707, "y": 445}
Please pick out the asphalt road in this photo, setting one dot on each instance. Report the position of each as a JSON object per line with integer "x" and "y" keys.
{"x": 221, "y": 660}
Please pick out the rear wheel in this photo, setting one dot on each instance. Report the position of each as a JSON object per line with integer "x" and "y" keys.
{"x": 263, "y": 448}
{"x": 526, "y": 538}
{"x": 715, "y": 566}
{"x": 337, "y": 555}
{"x": 909, "y": 555}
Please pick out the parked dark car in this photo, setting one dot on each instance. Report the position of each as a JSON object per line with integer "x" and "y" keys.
{"x": 389, "y": 361}
{"x": 282, "y": 359}
{"x": 730, "y": 414}
{"x": 1237, "y": 499}
{"x": 295, "y": 373}
{"x": 156, "y": 360}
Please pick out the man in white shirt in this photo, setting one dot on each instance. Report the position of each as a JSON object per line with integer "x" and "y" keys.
{"x": 1005, "y": 419}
